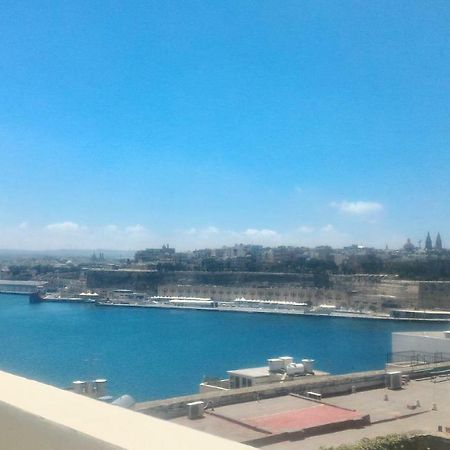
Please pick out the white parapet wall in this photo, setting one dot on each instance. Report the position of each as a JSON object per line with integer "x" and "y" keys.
{"x": 421, "y": 341}
{"x": 37, "y": 416}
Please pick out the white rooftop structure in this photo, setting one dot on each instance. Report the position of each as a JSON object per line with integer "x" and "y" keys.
{"x": 421, "y": 341}
{"x": 21, "y": 287}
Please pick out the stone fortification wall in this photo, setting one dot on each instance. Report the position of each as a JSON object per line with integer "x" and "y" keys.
{"x": 434, "y": 294}
{"x": 358, "y": 292}
{"x": 146, "y": 280}
{"x": 142, "y": 281}
{"x": 376, "y": 292}
{"x": 291, "y": 293}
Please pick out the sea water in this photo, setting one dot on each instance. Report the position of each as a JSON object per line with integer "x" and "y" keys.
{"x": 157, "y": 353}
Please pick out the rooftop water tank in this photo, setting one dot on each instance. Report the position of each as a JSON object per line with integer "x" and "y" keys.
{"x": 275, "y": 364}
{"x": 89, "y": 389}
{"x": 309, "y": 365}
{"x": 100, "y": 387}
{"x": 79, "y": 387}
{"x": 286, "y": 360}
{"x": 295, "y": 369}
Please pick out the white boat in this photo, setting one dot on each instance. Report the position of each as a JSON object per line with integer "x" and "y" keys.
{"x": 324, "y": 309}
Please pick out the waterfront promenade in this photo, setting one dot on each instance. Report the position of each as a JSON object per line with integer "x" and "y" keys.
{"x": 231, "y": 307}
{"x": 240, "y": 309}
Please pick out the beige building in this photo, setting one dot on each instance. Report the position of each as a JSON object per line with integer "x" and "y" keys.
{"x": 229, "y": 293}
{"x": 361, "y": 292}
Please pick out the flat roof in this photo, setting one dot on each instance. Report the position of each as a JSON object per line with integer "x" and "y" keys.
{"x": 253, "y": 372}
{"x": 422, "y": 311}
{"x": 433, "y": 334}
{"x": 396, "y": 413}
{"x": 256, "y": 372}
{"x": 21, "y": 283}
{"x": 256, "y": 420}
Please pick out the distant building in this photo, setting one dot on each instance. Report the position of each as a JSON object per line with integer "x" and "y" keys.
{"x": 438, "y": 244}
{"x": 409, "y": 246}
{"x": 164, "y": 254}
{"x": 428, "y": 243}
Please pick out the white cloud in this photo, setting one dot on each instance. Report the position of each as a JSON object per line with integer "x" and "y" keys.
{"x": 70, "y": 235}
{"x": 23, "y": 226}
{"x": 203, "y": 233}
{"x": 211, "y": 236}
{"x": 305, "y": 229}
{"x": 63, "y": 227}
{"x": 328, "y": 228}
{"x": 211, "y": 230}
{"x": 264, "y": 233}
{"x": 135, "y": 229}
{"x": 358, "y": 208}
{"x": 111, "y": 228}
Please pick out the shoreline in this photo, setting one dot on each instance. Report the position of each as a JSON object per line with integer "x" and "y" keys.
{"x": 336, "y": 314}
{"x": 236, "y": 309}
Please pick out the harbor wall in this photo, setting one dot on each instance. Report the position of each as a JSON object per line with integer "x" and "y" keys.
{"x": 149, "y": 280}
{"x": 363, "y": 291}
{"x": 377, "y": 292}
{"x": 229, "y": 293}
{"x": 358, "y": 292}
{"x": 434, "y": 294}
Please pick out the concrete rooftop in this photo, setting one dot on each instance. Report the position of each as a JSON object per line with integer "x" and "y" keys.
{"x": 396, "y": 414}
{"x": 434, "y": 334}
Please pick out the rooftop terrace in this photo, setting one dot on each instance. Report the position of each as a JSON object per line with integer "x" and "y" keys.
{"x": 279, "y": 423}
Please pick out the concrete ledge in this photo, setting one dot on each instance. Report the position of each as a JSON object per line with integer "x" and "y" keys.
{"x": 325, "y": 385}
{"x": 37, "y": 416}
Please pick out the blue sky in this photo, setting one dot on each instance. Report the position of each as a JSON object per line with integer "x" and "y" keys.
{"x": 130, "y": 124}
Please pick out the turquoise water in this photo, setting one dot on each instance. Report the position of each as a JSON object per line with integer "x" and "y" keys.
{"x": 156, "y": 353}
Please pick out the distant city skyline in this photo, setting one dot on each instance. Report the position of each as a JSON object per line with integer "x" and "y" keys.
{"x": 129, "y": 125}
{"x": 80, "y": 238}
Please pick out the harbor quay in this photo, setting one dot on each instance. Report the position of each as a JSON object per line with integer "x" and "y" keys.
{"x": 129, "y": 298}
{"x": 365, "y": 295}
{"x": 359, "y": 292}
{"x": 363, "y": 292}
